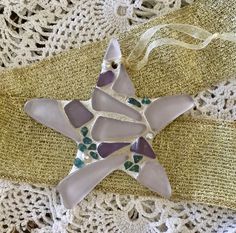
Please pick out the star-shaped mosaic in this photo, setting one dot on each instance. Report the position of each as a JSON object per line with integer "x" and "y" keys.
{"x": 113, "y": 130}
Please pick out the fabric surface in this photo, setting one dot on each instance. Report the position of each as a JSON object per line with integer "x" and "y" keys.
{"x": 39, "y": 81}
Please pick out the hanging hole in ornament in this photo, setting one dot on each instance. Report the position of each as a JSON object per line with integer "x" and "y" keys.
{"x": 114, "y": 65}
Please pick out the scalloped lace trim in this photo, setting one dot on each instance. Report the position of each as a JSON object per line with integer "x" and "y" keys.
{"x": 37, "y": 209}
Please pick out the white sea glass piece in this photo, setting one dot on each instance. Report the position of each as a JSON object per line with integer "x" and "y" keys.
{"x": 113, "y": 51}
{"x": 154, "y": 177}
{"x": 123, "y": 84}
{"x": 50, "y": 113}
{"x": 104, "y": 102}
{"x": 108, "y": 129}
{"x": 78, "y": 184}
{"x": 166, "y": 109}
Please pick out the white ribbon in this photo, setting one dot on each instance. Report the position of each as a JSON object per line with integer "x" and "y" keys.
{"x": 195, "y": 32}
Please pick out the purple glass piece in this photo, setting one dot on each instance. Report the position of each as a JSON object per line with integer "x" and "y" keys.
{"x": 141, "y": 146}
{"x": 105, "y": 78}
{"x": 77, "y": 113}
{"x": 105, "y": 149}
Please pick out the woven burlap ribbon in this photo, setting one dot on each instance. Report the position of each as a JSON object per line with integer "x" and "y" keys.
{"x": 198, "y": 154}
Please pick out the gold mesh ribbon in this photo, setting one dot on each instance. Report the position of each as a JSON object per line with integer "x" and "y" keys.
{"x": 198, "y": 154}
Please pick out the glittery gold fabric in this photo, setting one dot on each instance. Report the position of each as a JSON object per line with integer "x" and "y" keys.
{"x": 198, "y": 154}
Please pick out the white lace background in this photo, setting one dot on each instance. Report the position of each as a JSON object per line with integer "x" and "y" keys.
{"x": 34, "y": 29}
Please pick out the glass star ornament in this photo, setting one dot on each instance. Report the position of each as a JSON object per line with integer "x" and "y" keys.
{"x": 113, "y": 130}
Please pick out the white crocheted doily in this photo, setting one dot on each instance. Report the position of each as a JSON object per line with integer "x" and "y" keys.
{"x": 34, "y": 29}
{"x": 39, "y": 210}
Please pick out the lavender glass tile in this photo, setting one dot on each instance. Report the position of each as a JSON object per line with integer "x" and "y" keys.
{"x": 105, "y": 148}
{"x": 77, "y": 113}
{"x": 141, "y": 146}
{"x": 105, "y": 78}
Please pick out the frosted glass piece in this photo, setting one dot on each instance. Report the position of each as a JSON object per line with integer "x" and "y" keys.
{"x": 77, "y": 113}
{"x": 50, "y": 113}
{"x": 108, "y": 128}
{"x": 105, "y": 148}
{"x": 166, "y": 109}
{"x": 113, "y": 51}
{"x": 123, "y": 84}
{"x": 105, "y": 78}
{"x": 154, "y": 177}
{"x": 78, "y": 184}
{"x": 104, "y": 102}
{"x": 141, "y": 146}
